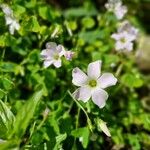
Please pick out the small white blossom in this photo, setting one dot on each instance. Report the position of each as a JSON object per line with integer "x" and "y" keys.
{"x": 126, "y": 26}
{"x": 10, "y": 19}
{"x": 125, "y": 36}
{"x": 117, "y": 8}
{"x": 123, "y": 41}
{"x": 52, "y": 54}
{"x": 92, "y": 84}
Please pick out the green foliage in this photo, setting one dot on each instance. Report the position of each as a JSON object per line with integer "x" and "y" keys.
{"x": 7, "y": 120}
{"x": 25, "y": 114}
{"x": 83, "y": 135}
{"x": 131, "y": 80}
{"x": 37, "y": 110}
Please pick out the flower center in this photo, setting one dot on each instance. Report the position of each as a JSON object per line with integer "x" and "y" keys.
{"x": 123, "y": 40}
{"x": 56, "y": 56}
{"x": 92, "y": 83}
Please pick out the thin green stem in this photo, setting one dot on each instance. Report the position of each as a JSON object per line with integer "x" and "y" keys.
{"x": 1, "y": 60}
{"x": 88, "y": 119}
{"x": 3, "y": 54}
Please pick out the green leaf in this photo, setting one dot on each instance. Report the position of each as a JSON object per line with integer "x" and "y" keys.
{"x": 96, "y": 56}
{"x": 82, "y": 133}
{"x": 43, "y": 12}
{"x": 8, "y": 66}
{"x": 131, "y": 80}
{"x": 59, "y": 139}
{"x": 88, "y": 22}
{"x": 92, "y": 36}
{"x": 72, "y": 25}
{"x": 80, "y": 11}
{"x": 8, "y": 84}
{"x": 9, "y": 145}
{"x": 18, "y": 10}
{"x": 3, "y": 27}
{"x": 134, "y": 141}
{"x": 7, "y": 40}
{"x": 26, "y": 113}
{"x": 6, "y": 120}
{"x": 30, "y": 24}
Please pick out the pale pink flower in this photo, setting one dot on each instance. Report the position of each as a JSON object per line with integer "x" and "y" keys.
{"x": 10, "y": 19}
{"x": 126, "y": 26}
{"x": 117, "y": 8}
{"x": 92, "y": 84}
{"x": 52, "y": 54}
{"x": 125, "y": 36}
{"x": 123, "y": 41}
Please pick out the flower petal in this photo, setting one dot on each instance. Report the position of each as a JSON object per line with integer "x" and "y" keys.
{"x": 115, "y": 36}
{"x": 82, "y": 93}
{"x": 47, "y": 54}
{"x": 79, "y": 77}
{"x": 57, "y": 63}
{"x": 120, "y": 46}
{"x": 99, "y": 97}
{"x": 129, "y": 46}
{"x": 106, "y": 80}
{"x": 47, "y": 63}
{"x": 11, "y": 29}
{"x": 94, "y": 69}
{"x": 51, "y": 45}
{"x": 69, "y": 54}
{"x": 60, "y": 50}
{"x": 44, "y": 52}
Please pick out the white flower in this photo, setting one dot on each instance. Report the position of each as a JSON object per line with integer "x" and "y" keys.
{"x": 52, "y": 54}
{"x": 126, "y": 26}
{"x": 123, "y": 41}
{"x": 125, "y": 36}
{"x": 117, "y": 8}
{"x": 111, "y": 4}
{"x": 120, "y": 11}
{"x": 92, "y": 84}
{"x": 10, "y": 19}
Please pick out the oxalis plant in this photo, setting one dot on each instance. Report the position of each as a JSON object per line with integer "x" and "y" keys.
{"x": 69, "y": 78}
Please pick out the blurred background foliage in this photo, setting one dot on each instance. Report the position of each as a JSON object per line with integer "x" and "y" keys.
{"x": 36, "y": 111}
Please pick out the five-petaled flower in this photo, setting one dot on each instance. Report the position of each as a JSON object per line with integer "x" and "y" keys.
{"x": 92, "y": 84}
{"x": 53, "y": 53}
{"x": 10, "y": 19}
{"x": 126, "y": 26}
{"x": 117, "y": 8}
{"x": 125, "y": 36}
{"x": 123, "y": 41}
